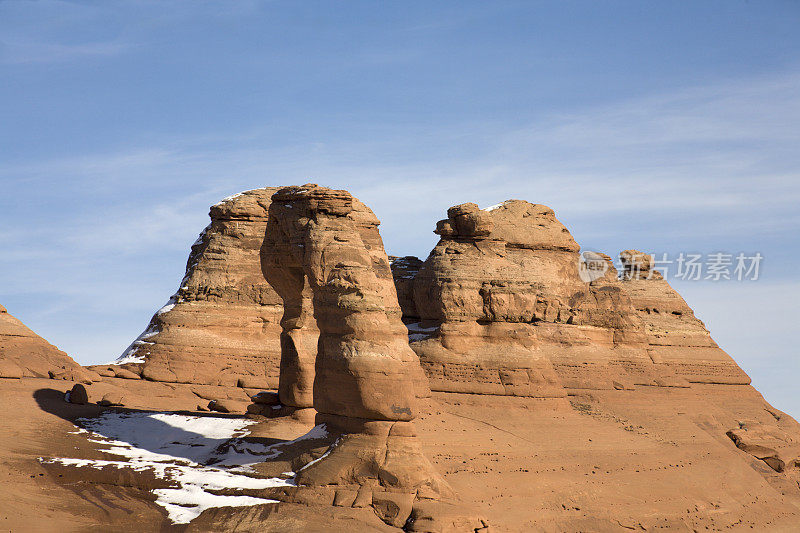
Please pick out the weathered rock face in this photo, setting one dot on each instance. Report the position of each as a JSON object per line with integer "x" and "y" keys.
{"x": 366, "y": 379}
{"x": 676, "y": 339}
{"x": 222, "y": 325}
{"x": 505, "y": 305}
{"x": 501, "y": 297}
{"x": 325, "y": 243}
{"x": 23, "y": 353}
{"x": 500, "y": 307}
{"x": 775, "y": 443}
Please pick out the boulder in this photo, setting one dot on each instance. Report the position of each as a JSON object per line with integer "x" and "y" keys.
{"x": 78, "y": 394}
{"x": 106, "y": 372}
{"x": 266, "y": 398}
{"x": 80, "y": 374}
{"x": 124, "y": 373}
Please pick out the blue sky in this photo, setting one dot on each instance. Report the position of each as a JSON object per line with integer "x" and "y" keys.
{"x": 663, "y": 126}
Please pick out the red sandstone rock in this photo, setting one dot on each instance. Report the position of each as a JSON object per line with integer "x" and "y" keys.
{"x": 222, "y": 325}
{"x": 506, "y": 293}
{"x": 24, "y": 353}
{"x": 367, "y": 379}
{"x": 677, "y": 340}
{"x": 772, "y": 444}
{"x": 503, "y": 309}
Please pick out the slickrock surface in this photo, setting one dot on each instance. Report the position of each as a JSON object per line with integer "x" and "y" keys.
{"x": 24, "y": 353}
{"x": 223, "y": 324}
{"x": 653, "y": 458}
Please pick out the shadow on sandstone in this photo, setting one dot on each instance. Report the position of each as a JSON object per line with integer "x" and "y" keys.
{"x": 152, "y": 431}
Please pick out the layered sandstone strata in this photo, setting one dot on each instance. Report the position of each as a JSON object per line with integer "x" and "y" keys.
{"x": 23, "y": 353}
{"x": 676, "y": 339}
{"x": 222, "y": 326}
{"x": 505, "y": 305}
{"x": 500, "y": 307}
{"x": 363, "y": 380}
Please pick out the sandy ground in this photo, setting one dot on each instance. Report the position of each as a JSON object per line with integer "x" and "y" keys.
{"x": 650, "y": 459}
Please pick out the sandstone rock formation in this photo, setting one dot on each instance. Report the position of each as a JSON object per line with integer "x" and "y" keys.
{"x": 676, "y": 338}
{"x": 222, "y": 325}
{"x": 503, "y": 305}
{"x": 362, "y": 379}
{"x": 24, "y": 353}
{"x": 602, "y": 403}
{"x": 499, "y": 307}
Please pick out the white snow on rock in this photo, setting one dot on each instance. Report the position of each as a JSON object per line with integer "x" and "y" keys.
{"x": 229, "y": 198}
{"x": 493, "y": 207}
{"x": 197, "y": 454}
{"x": 131, "y": 353}
{"x": 168, "y": 306}
{"x": 321, "y": 457}
{"x": 129, "y": 356}
{"x": 200, "y": 237}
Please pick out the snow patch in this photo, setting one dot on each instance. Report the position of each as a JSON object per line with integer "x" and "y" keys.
{"x": 201, "y": 236}
{"x": 168, "y": 306}
{"x": 321, "y": 457}
{"x": 129, "y": 356}
{"x": 196, "y": 454}
{"x": 493, "y": 207}
{"x": 229, "y": 198}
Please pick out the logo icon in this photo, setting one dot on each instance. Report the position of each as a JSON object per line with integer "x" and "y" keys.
{"x": 592, "y": 266}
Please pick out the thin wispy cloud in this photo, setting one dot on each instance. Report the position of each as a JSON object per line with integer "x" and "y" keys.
{"x": 18, "y": 53}
{"x": 671, "y": 153}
